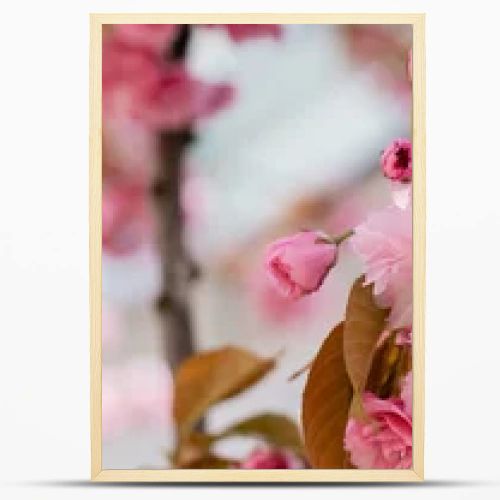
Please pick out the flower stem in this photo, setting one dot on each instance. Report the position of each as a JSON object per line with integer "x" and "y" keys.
{"x": 342, "y": 237}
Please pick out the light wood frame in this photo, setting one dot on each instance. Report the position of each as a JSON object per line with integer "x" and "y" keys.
{"x": 313, "y": 475}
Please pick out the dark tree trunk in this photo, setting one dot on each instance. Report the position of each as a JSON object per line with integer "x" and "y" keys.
{"x": 177, "y": 267}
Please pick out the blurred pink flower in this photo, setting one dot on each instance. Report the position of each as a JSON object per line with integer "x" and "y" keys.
{"x": 409, "y": 65}
{"x": 176, "y": 99}
{"x": 135, "y": 395}
{"x": 346, "y": 214}
{"x": 396, "y": 160}
{"x": 385, "y": 441}
{"x": 112, "y": 328}
{"x": 298, "y": 264}
{"x": 402, "y": 194}
{"x": 155, "y": 37}
{"x": 381, "y": 48}
{"x": 272, "y": 458}
{"x": 127, "y": 73}
{"x": 272, "y": 305}
{"x": 129, "y": 147}
{"x": 384, "y": 244}
{"x": 127, "y": 221}
{"x": 407, "y": 393}
{"x": 404, "y": 337}
{"x": 242, "y": 32}
{"x": 139, "y": 84}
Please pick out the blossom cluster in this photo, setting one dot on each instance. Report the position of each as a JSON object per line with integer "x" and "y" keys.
{"x": 298, "y": 265}
{"x": 148, "y": 89}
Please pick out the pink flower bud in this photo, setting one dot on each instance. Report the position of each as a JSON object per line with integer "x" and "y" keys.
{"x": 262, "y": 458}
{"x": 298, "y": 264}
{"x": 396, "y": 161}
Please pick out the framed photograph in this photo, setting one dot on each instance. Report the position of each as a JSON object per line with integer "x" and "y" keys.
{"x": 257, "y": 247}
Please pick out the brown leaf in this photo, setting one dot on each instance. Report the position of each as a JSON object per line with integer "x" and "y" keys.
{"x": 192, "y": 448}
{"x": 275, "y": 429}
{"x": 364, "y": 323}
{"x": 357, "y": 410}
{"x": 325, "y": 404}
{"x": 391, "y": 362}
{"x": 209, "y": 462}
{"x": 213, "y": 376}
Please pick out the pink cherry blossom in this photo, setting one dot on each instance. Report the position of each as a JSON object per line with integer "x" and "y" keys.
{"x": 272, "y": 458}
{"x": 404, "y": 337}
{"x": 298, "y": 264}
{"x": 407, "y": 393}
{"x": 384, "y": 244}
{"x": 385, "y": 440}
{"x": 155, "y": 37}
{"x": 127, "y": 74}
{"x": 176, "y": 99}
{"x": 396, "y": 160}
{"x": 402, "y": 194}
{"x": 129, "y": 148}
{"x": 127, "y": 220}
{"x": 242, "y": 32}
{"x": 140, "y": 84}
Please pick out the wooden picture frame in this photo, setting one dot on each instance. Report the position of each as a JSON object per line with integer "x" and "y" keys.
{"x": 303, "y": 476}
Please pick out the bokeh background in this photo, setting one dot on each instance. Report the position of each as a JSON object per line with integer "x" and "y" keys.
{"x": 297, "y": 147}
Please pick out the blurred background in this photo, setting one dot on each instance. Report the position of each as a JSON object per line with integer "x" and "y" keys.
{"x": 296, "y": 147}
